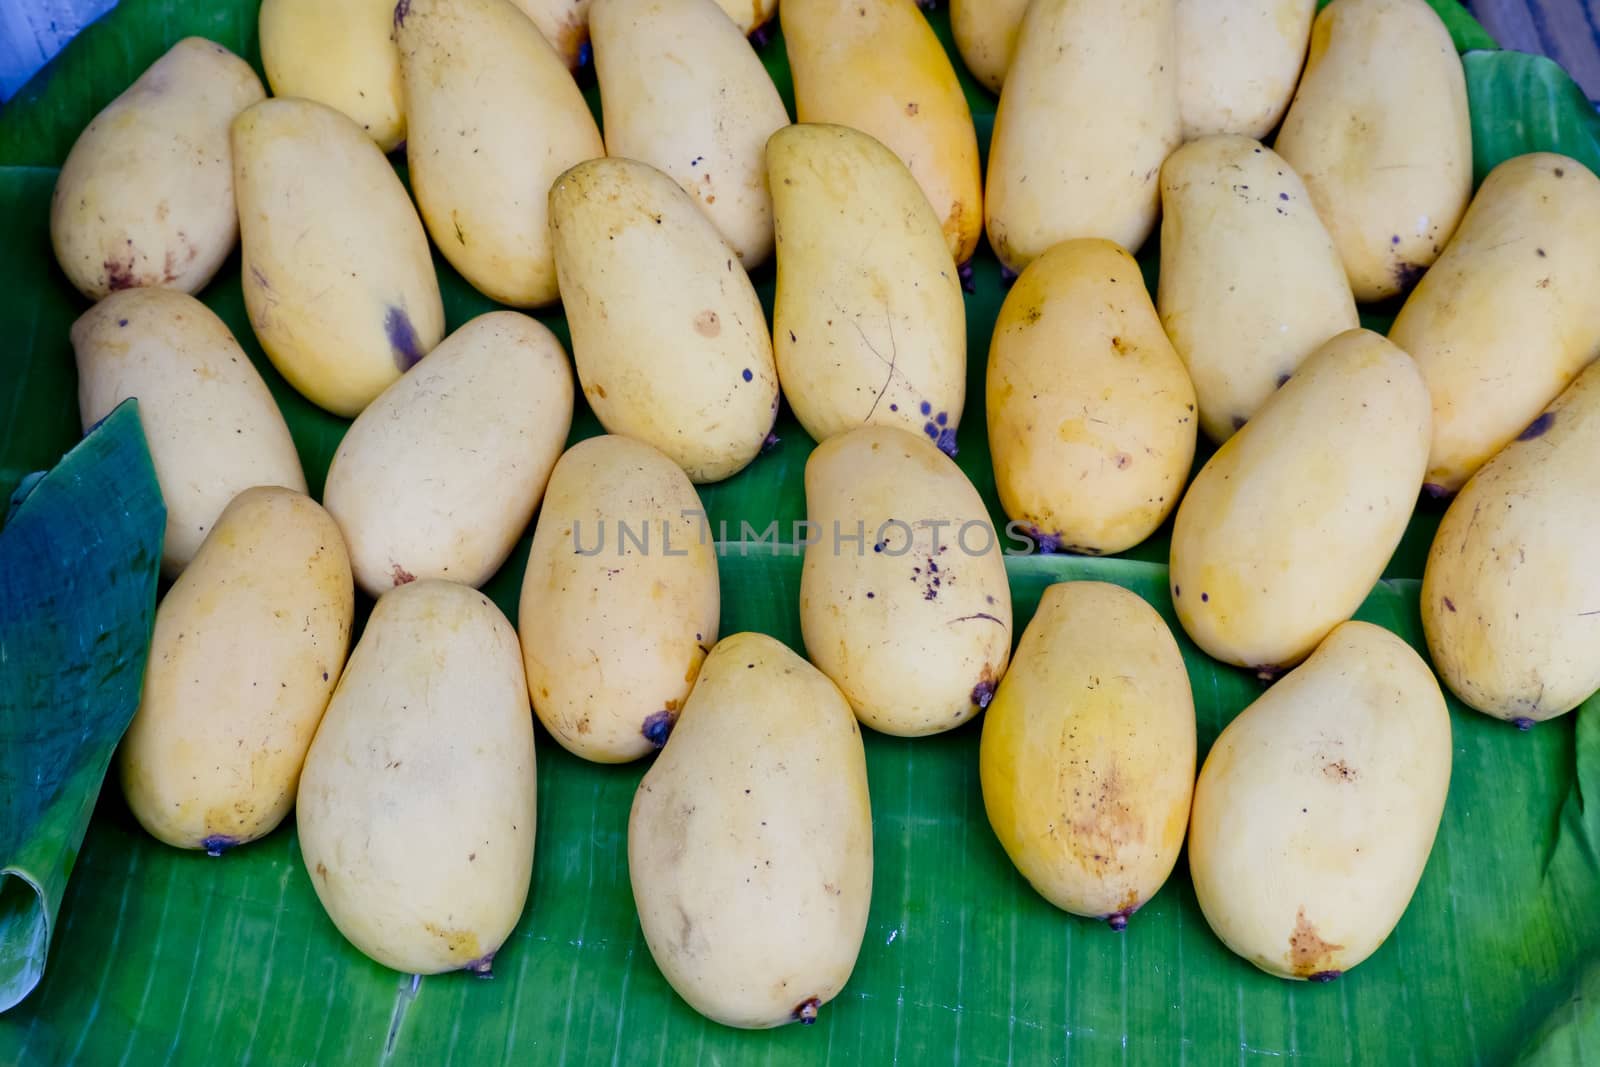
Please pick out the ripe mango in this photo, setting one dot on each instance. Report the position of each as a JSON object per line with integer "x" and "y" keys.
{"x": 1287, "y": 527}
{"x": 1317, "y": 807}
{"x": 416, "y": 808}
{"x": 1091, "y": 414}
{"x": 1379, "y": 131}
{"x": 750, "y": 840}
{"x": 904, "y": 600}
{"x": 1505, "y": 319}
{"x": 1087, "y": 758}
{"x": 1511, "y": 594}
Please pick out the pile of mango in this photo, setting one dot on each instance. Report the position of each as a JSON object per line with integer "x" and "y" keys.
{"x": 410, "y": 761}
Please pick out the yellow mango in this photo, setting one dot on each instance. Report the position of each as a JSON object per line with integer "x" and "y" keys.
{"x": 1088, "y": 112}
{"x": 986, "y": 36}
{"x": 487, "y": 139}
{"x": 1317, "y": 807}
{"x": 1289, "y": 525}
{"x": 338, "y": 280}
{"x": 878, "y": 68}
{"x": 868, "y": 325}
{"x": 146, "y": 195}
{"x": 440, "y": 475}
{"x": 669, "y": 339}
{"x": 704, "y": 122}
{"x": 904, "y": 600}
{"x": 416, "y": 809}
{"x": 1091, "y": 414}
{"x": 750, "y": 840}
{"x": 1088, "y": 751}
{"x": 563, "y": 23}
{"x": 212, "y": 426}
{"x": 1379, "y": 131}
{"x": 1511, "y": 594}
{"x": 1507, "y": 317}
{"x": 1250, "y": 281}
{"x": 1238, "y": 63}
{"x": 622, "y": 561}
{"x": 340, "y": 53}
{"x": 247, "y": 649}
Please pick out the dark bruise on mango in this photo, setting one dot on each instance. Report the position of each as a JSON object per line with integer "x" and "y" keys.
{"x": 983, "y": 692}
{"x": 482, "y": 967}
{"x": 1538, "y": 427}
{"x": 1407, "y": 274}
{"x": 1308, "y": 951}
{"x": 657, "y": 727}
{"x": 1118, "y": 920}
{"x": 806, "y": 1010}
{"x": 402, "y": 338}
{"x": 401, "y": 10}
{"x": 217, "y": 844}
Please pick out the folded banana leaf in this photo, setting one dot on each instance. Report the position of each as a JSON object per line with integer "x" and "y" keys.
{"x": 79, "y": 555}
{"x": 164, "y": 956}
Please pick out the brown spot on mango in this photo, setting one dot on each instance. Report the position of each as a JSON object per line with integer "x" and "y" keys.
{"x": 706, "y": 324}
{"x": 1308, "y": 952}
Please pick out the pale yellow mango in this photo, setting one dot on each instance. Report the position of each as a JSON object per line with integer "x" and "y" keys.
{"x": 750, "y": 840}
{"x": 879, "y": 68}
{"x": 1088, "y": 112}
{"x": 904, "y": 600}
{"x": 684, "y": 92}
{"x": 212, "y": 426}
{"x": 1250, "y": 281}
{"x": 1088, "y": 752}
{"x": 440, "y": 475}
{"x": 248, "y": 646}
{"x": 986, "y": 36}
{"x": 620, "y": 599}
{"x": 1239, "y": 62}
{"x": 1508, "y": 316}
{"x": 1091, "y": 414}
{"x": 1317, "y": 807}
{"x": 1379, "y": 131}
{"x": 1511, "y": 594}
{"x": 868, "y": 325}
{"x": 1289, "y": 525}
{"x": 416, "y": 809}
{"x": 146, "y": 196}
{"x": 670, "y": 341}
{"x": 487, "y": 139}
{"x": 340, "y": 53}
{"x": 338, "y": 280}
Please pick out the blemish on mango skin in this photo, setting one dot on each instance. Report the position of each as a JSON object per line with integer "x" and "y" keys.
{"x": 657, "y": 727}
{"x": 983, "y": 692}
{"x": 402, "y": 576}
{"x": 402, "y": 338}
{"x": 1538, "y": 427}
{"x": 1307, "y": 949}
{"x": 1523, "y": 724}
{"x": 806, "y": 1010}
{"x": 706, "y": 324}
{"x": 1407, "y": 274}
{"x": 217, "y": 844}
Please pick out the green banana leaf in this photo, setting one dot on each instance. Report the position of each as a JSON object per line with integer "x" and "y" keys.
{"x": 165, "y": 956}
{"x": 78, "y": 586}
